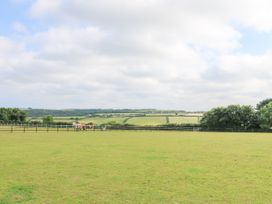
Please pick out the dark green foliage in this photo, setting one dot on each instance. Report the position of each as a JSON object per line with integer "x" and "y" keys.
{"x": 265, "y": 116}
{"x": 126, "y": 120}
{"x": 233, "y": 116}
{"x": 34, "y": 122}
{"x": 91, "y": 112}
{"x": 237, "y": 117}
{"x": 263, "y": 103}
{"x": 167, "y": 120}
{"x": 64, "y": 123}
{"x": 179, "y": 125}
{"x": 48, "y": 119}
{"x": 12, "y": 115}
{"x": 115, "y": 125}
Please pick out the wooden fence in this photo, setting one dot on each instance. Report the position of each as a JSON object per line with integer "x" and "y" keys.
{"x": 71, "y": 128}
{"x": 38, "y": 128}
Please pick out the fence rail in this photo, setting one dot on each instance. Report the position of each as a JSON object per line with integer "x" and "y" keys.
{"x": 175, "y": 128}
{"x": 37, "y": 128}
{"x": 70, "y": 128}
{"x": 188, "y": 128}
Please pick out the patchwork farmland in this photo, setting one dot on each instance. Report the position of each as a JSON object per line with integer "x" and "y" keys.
{"x": 149, "y": 120}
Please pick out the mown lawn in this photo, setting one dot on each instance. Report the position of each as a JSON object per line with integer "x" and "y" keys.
{"x": 135, "y": 167}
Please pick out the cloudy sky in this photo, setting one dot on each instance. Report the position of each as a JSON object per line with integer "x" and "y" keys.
{"x": 167, "y": 54}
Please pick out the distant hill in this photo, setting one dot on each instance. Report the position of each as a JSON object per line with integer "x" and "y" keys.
{"x": 86, "y": 112}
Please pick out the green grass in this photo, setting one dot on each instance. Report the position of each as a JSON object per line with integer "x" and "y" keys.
{"x": 184, "y": 120}
{"x": 147, "y": 121}
{"x": 102, "y": 120}
{"x": 135, "y": 167}
{"x": 67, "y": 119}
{"x": 95, "y": 120}
{"x": 141, "y": 121}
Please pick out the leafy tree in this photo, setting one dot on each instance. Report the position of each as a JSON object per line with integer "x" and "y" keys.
{"x": 4, "y": 117}
{"x": 263, "y": 103}
{"x": 48, "y": 119}
{"x": 233, "y": 116}
{"x": 213, "y": 118}
{"x": 12, "y": 115}
{"x": 265, "y": 116}
{"x": 16, "y": 115}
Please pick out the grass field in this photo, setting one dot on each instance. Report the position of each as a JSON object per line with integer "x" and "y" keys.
{"x": 135, "y": 167}
{"x": 140, "y": 121}
{"x": 147, "y": 121}
{"x": 184, "y": 120}
{"x": 101, "y": 120}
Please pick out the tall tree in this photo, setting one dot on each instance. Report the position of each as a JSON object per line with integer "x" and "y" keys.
{"x": 233, "y": 116}
{"x": 263, "y": 103}
{"x": 265, "y": 115}
{"x": 12, "y": 115}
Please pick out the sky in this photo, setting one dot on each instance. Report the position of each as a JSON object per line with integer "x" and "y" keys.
{"x": 166, "y": 54}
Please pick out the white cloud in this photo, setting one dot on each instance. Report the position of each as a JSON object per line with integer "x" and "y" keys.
{"x": 155, "y": 53}
{"x": 19, "y": 27}
{"x": 42, "y": 7}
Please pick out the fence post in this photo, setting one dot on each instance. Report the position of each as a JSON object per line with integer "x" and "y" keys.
{"x": 36, "y": 128}
{"x": 24, "y": 127}
{"x": 11, "y": 130}
{"x": 57, "y": 128}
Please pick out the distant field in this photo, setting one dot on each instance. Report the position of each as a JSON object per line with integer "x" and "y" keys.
{"x": 145, "y": 121}
{"x": 135, "y": 167}
{"x": 184, "y": 120}
{"x": 59, "y": 119}
{"x": 101, "y": 120}
{"x": 96, "y": 120}
{"x": 67, "y": 119}
{"x": 141, "y": 121}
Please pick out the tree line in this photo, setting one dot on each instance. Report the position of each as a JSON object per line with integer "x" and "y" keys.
{"x": 15, "y": 115}
{"x": 239, "y": 117}
{"x": 84, "y": 112}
